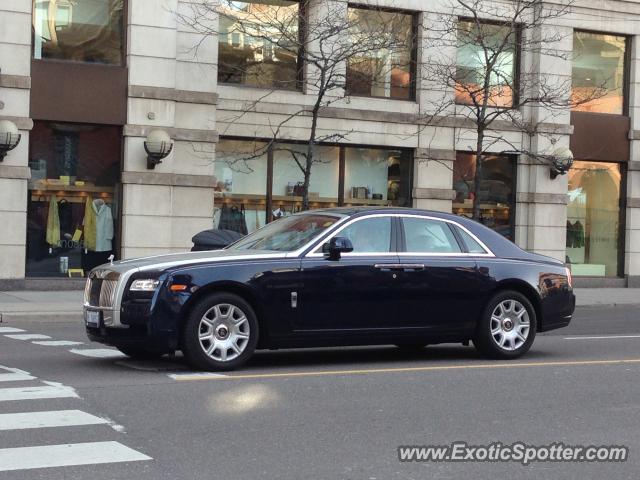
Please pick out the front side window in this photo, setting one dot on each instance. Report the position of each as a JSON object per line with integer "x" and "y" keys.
{"x": 78, "y": 30}
{"x": 258, "y": 43}
{"x": 496, "y": 193}
{"x": 424, "y": 235}
{"x": 386, "y": 71}
{"x": 598, "y": 72}
{"x": 370, "y": 235}
{"x": 485, "y": 50}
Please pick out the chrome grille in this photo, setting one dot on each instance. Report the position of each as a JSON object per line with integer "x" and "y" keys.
{"x": 100, "y": 289}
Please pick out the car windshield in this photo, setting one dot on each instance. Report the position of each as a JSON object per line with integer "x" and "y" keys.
{"x": 286, "y": 234}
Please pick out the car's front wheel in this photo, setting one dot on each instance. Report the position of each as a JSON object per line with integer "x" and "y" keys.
{"x": 221, "y": 333}
{"x": 507, "y": 327}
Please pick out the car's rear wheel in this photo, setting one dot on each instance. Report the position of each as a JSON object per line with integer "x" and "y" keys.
{"x": 221, "y": 333}
{"x": 140, "y": 353}
{"x": 507, "y": 327}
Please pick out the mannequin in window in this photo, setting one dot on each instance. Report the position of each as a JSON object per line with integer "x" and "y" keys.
{"x": 104, "y": 226}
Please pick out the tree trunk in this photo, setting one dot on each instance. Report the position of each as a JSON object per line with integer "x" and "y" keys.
{"x": 477, "y": 211}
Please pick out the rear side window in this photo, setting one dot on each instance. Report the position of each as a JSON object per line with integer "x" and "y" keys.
{"x": 423, "y": 235}
{"x": 471, "y": 243}
{"x": 369, "y": 235}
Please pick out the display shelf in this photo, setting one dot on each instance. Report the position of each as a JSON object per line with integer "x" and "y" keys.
{"x": 45, "y": 188}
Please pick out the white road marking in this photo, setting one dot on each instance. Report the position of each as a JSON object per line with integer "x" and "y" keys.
{"x": 47, "y": 456}
{"x": 28, "y": 336}
{"x": 10, "y": 330}
{"x": 98, "y": 352}
{"x": 57, "y": 343}
{"x": 15, "y": 377}
{"x": 604, "y": 337}
{"x": 52, "y": 390}
{"x": 59, "y": 418}
{"x": 195, "y": 376}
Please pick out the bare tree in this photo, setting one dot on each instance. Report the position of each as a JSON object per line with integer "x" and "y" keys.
{"x": 495, "y": 76}
{"x": 316, "y": 46}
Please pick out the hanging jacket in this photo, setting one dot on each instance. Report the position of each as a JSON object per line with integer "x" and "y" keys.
{"x": 53, "y": 223}
{"x": 89, "y": 223}
{"x": 104, "y": 225}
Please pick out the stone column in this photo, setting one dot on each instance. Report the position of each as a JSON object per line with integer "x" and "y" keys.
{"x": 15, "y": 87}
{"x": 172, "y": 85}
{"x": 632, "y": 233}
{"x": 541, "y": 202}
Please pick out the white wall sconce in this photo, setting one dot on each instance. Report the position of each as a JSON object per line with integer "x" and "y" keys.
{"x": 9, "y": 137}
{"x": 158, "y": 146}
{"x": 561, "y": 160}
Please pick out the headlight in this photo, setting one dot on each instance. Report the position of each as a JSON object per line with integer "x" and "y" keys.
{"x": 144, "y": 285}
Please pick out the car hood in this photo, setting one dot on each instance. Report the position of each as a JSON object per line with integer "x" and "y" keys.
{"x": 162, "y": 262}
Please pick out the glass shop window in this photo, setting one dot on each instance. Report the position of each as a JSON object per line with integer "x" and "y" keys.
{"x": 376, "y": 176}
{"x": 497, "y": 187}
{"x": 593, "y": 218}
{"x": 252, "y": 51}
{"x": 72, "y": 207}
{"x": 598, "y": 72}
{"x": 78, "y": 30}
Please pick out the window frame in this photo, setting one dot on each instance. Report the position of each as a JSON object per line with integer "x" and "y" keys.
{"x": 517, "y": 68}
{"x": 123, "y": 48}
{"x": 413, "y": 62}
{"x": 303, "y": 16}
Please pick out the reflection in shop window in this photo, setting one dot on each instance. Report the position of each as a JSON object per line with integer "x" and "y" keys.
{"x": 252, "y": 51}
{"x": 72, "y": 207}
{"x": 497, "y": 188}
{"x": 472, "y": 64}
{"x": 598, "y": 72}
{"x": 593, "y": 218}
{"x": 78, "y": 30}
{"x": 387, "y": 72}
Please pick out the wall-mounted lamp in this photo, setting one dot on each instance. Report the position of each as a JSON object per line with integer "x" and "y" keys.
{"x": 561, "y": 160}
{"x": 158, "y": 146}
{"x": 9, "y": 137}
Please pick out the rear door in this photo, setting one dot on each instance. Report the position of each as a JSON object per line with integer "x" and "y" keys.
{"x": 439, "y": 284}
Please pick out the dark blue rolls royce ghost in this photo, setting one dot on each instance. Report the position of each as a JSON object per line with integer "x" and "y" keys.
{"x": 344, "y": 276}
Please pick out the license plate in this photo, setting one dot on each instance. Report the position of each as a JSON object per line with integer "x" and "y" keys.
{"x": 92, "y": 318}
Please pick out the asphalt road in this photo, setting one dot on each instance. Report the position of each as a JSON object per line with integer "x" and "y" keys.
{"x": 325, "y": 413}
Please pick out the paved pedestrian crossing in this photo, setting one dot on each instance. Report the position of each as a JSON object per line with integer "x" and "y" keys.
{"x": 27, "y": 391}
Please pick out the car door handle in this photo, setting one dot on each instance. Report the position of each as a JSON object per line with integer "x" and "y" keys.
{"x": 413, "y": 266}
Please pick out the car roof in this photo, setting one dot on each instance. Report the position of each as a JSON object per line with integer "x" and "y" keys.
{"x": 357, "y": 211}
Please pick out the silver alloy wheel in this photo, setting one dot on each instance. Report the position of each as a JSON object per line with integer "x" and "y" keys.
{"x": 510, "y": 325}
{"x": 224, "y": 332}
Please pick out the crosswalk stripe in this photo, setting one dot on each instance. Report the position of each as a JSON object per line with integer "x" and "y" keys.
{"x": 15, "y": 377}
{"x": 47, "y": 456}
{"x": 58, "y": 418}
{"x": 10, "y": 330}
{"x": 57, "y": 343}
{"x": 98, "y": 352}
{"x": 28, "y": 336}
{"x": 52, "y": 390}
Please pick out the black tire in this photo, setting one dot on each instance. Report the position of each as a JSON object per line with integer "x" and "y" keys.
{"x": 194, "y": 349}
{"x": 140, "y": 353}
{"x": 489, "y": 344}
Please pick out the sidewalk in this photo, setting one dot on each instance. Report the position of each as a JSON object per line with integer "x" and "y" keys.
{"x": 64, "y": 305}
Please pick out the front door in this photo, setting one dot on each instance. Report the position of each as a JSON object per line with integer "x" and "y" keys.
{"x": 354, "y": 293}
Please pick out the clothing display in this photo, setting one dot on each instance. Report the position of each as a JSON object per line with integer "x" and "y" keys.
{"x": 575, "y": 234}
{"x": 89, "y": 225}
{"x": 104, "y": 225}
{"x": 233, "y": 219}
{"x": 53, "y": 223}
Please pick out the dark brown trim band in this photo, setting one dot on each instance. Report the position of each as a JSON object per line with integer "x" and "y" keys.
{"x": 536, "y": 197}
{"x": 434, "y": 194}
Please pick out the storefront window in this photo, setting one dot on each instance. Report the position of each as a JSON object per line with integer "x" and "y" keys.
{"x": 593, "y": 218}
{"x": 73, "y": 200}
{"x": 256, "y": 184}
{"x": 79, "y": 30}
{"x": 377, "y": 176}
{"x": 472, "y": 64}
{"x": 386, "y": 72}
{"x": 258, "y": 43}
{"x": 598, "y": 72}
{"x": 497, "y": 187}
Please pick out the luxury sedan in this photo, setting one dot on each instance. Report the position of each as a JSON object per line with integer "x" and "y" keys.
{"x": 344, "y": 276}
